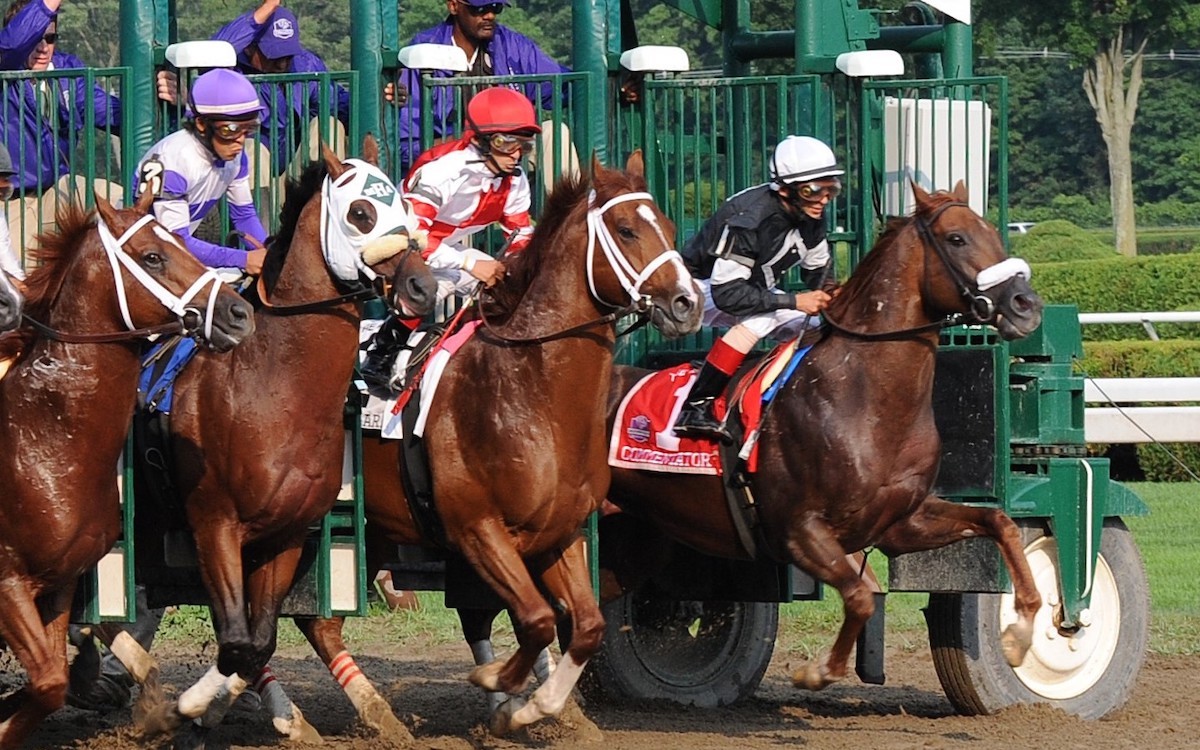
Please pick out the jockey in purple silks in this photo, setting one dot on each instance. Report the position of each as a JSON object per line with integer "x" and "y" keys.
{"x": 191, "y": 169}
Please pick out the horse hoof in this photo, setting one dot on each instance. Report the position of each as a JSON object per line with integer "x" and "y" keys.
{"x": 379, "y": 717}
{"x": 501, "y": 722}
{"x": 156, "y": 718}
{"x": 1015, "y": 643}
{"x": 487, "y": 676}
{"x": 812, "y": 677}
{"x": 297, "y": 729}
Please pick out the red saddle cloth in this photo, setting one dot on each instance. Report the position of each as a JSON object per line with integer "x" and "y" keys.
{"x": 642, "y": 437}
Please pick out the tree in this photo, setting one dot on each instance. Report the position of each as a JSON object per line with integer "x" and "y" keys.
{"x": 1108, "y": 39}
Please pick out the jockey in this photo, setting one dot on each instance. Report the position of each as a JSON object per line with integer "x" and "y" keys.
{"x": 740, "y": 256}
{"x": 191, "y": 169}
{"x": 458, "y": 189}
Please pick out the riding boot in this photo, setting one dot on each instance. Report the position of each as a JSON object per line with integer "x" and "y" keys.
{"x": 376, "y": 368}
{"x": 696, "y": 418}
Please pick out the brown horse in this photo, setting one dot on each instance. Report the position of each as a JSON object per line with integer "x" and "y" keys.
{"x": 849, "y": 451}
{"x": 256, "y": 439}
{"x": 67, "y": 402}
{"x": 515, "y": 433}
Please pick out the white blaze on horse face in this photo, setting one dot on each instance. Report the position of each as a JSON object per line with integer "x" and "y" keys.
{"x": 650, "y": 218}
{"x": 162, "y": 233}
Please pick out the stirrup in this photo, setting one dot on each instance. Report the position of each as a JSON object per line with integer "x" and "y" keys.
{"x": 696, "y": 421}
{"x": 376, "y": 371}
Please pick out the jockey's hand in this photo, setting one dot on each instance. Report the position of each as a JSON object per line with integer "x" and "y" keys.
{"x": 488, "y": 271}
{"x": 167, "y": 83}
{"x": 254, "y": 261}
{"x": 263, "y": 13}
{"x": 395, "y": 93}
{"x": 812, "y": 302}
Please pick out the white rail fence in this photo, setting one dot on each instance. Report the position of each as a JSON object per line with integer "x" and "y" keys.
{"x": 1137, "y": 419}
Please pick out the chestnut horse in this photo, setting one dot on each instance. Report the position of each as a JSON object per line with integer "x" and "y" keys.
{"x": 849, "y": 450}
{"x": 515, "y": 433}
{"x": 102, "y": 289}
{"x": 256, "y": 438}
{"x": 11, "y": 302}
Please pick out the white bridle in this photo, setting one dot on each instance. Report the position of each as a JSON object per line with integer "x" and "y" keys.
{"x": 117, "y": 258}
{"x": 626, "y": 274}
{"x": 348, "y": 251}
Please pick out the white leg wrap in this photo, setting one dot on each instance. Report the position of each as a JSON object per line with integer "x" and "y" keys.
{"x": 549, "y": 699}
{"x": 195, "y": 700}
{"x": 229, "y": 691}
{"x": 135, "y": 659}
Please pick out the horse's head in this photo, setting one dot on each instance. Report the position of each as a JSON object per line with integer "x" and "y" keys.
{"x": 637, "y": 240}
{"x": 11, "y": 302}
{"x": 977, "y": 275}
{"x": 369, "y": 229}
{"x": 158, "y": 279}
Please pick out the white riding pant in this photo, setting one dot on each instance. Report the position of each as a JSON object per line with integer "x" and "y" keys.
{"x": 777, "y": 324}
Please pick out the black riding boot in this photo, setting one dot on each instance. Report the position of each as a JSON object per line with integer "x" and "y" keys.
{"x": 376, "y": 368}
{"x": 696, "y": 418}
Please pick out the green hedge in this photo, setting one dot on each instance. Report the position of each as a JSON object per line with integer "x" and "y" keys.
{"x": 1157, "y": 283}
{"x": 1057, "y": 241}
{"x": 1149, "y": 359}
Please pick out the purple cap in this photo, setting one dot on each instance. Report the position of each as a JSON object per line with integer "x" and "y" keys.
{"x": 478, "y": 3}
{"x": 280, "y": 36}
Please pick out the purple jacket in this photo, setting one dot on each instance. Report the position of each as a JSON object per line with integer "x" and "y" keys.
{"x": 281, "y": 128}
{"x": 512, "y": 53}
{"x": 42, "y": 149}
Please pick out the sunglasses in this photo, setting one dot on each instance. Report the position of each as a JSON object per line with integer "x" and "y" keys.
{"x": 6, "y": 192}
{"x": 811, "y": 192}
{"x": 233, "y": 131}
{"x": 51, "y": 38}
{"x": 508, "y": 145}
{"x": 482, "y": 10}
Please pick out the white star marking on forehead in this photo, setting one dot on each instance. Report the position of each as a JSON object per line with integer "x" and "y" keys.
{"x": 166, "y": 236}
{"x": 647, "y": 213}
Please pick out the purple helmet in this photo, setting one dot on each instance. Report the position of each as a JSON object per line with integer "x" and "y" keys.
{"x": 224, "y": 93}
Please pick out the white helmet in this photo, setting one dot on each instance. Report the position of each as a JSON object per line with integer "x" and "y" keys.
{"x": 800, "y": 158}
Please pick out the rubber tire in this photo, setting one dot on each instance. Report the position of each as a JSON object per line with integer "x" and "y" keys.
{"x": 705, "y": 654}
{"x": 964, "y": 634}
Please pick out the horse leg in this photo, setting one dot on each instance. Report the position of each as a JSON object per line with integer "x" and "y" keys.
{"x": 477, "y": 631}
{"x": 817, "y": 551}
{"x": 326, "y": 639}
{"x": 489, "y": 550}
{"x": 937, "y": 522}
{"x": 42, "y": 650}
{"x": 569, "y": 585}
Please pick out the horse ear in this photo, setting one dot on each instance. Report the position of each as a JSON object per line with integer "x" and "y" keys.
{"x": 370, "y": 149}
{"x": 960, "y": 192}
{"x": 919, "y": 193}
{"x": 108, "y": 214}
{"x": 596, "y": 165}
{"x": 332, "y": 162}
{"x": 636, "y": 165}
{"x": 144, "y": 201}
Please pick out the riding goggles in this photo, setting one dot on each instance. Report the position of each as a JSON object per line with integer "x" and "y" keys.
{"x": 813, "y": 192}
{"x": 508, "y": 144}
{"x": 482, "y": 10}
{"x": 6, "y": 192}
{"x": 232, "y": 131}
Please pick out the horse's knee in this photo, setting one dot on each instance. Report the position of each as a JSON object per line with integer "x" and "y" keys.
{"x": 587, "y": 634}
{"x": 538, "y": 632}
{"x": 49, "y": 693}
{"x": 858, "y": 602}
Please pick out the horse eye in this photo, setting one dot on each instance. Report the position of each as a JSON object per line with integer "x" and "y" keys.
{"x": 626, "y": 233}
{"x": 357, "y": 213}
{"x": 956, "y": 239}
{"x": 153, "y": 259}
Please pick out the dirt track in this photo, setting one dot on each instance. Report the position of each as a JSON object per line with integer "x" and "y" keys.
{"x": 426, "y": 686}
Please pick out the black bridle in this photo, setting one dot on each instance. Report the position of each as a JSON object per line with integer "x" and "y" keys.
{"x": 982, "y": 309}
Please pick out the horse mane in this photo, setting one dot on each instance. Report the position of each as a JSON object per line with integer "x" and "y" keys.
{"x": 298, "y": 193}
{"x": 520, "y": 270}
{"x": 52, "y": 255}
{"x": 871, "y": 262}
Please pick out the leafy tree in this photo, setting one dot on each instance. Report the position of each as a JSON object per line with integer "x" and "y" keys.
{"x": 1108, "y": 39}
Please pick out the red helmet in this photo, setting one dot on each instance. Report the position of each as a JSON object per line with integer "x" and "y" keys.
{"x": 501, "y": 110}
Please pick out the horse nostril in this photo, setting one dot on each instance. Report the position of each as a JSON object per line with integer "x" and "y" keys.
{"x": 682, "y": 306}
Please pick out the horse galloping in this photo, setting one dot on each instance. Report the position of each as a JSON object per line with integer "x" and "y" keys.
{"x": 256, "y": 439}
{"x": 515, "y": 433}
{"x": 104, "y": 287}
{"x": 849, "y": 451}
